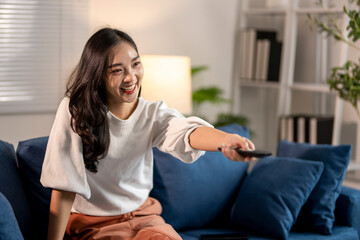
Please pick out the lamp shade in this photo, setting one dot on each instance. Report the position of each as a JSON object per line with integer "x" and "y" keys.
{"x": 168, "y": 78}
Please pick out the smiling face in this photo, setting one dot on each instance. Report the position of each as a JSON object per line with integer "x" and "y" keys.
{"x": 124, "y": 76}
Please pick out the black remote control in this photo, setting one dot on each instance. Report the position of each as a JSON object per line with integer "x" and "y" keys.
{"x": 252, "y": 153}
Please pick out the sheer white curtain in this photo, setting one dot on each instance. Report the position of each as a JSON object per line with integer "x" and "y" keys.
{"x": 40, "y": 43}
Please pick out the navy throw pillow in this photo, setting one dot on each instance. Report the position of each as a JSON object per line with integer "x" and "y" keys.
{"x": 272, "y": 195}
{"x": 31, "y": 155}
{"x": 12, "y": 188}
{"x": 199, "y": 194}
{"x": 317, "y": 215}
{"x": 9, "y": 228}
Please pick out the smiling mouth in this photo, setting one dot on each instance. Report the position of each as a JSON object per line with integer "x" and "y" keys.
{"x": 129, "y": 89}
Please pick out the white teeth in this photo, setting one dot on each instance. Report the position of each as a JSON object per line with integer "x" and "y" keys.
{"x": 129, "y": 88}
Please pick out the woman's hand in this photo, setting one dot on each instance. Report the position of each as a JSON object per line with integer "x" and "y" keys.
{"x": 233, "y": 141}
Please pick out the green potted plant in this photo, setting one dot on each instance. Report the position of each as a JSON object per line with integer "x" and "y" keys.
{"x": 213, "y": 94}
{"x": 344, "y": 80}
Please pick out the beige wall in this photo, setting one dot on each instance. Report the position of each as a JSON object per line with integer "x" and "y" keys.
{"x": 201, "y": 29}
{"x": 15, "y": 128}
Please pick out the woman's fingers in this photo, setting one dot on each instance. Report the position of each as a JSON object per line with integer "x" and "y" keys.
{"x": 234, "y": 141}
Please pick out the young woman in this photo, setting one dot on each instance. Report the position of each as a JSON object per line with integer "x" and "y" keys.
{"x": 99, "y": 156}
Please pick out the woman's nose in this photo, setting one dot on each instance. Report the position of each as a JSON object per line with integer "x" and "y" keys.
{"x": 130, "y": 76}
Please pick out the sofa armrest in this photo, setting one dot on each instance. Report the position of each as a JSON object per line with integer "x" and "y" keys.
{"x": 347, "y": 210}
{"x": 9, "y": 228}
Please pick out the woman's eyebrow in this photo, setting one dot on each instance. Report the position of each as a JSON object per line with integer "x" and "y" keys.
{"x": 120, "y": 64}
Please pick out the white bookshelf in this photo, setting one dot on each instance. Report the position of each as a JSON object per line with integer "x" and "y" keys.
{"x": 258, "y": 84}
{"x": 312, "y": 87}
{"x": 264, "y": 11}
{"x": 319, "y": 11}
{"x": 280, "y": 98}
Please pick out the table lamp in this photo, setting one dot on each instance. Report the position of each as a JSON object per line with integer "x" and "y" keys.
{"x": 168, "y": 78}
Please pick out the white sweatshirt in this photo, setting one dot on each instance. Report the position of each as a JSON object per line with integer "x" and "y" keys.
{"x": 125, "y": 176}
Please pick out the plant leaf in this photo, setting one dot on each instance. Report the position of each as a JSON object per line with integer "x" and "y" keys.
{"x": 210, "y": 94}
{"x": 228, "y": 118}
{"x": 196, "y": 70}
{"x": 346, "y": 82}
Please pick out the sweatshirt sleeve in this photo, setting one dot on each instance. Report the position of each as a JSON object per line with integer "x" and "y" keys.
{"x": 172, "y": 131}
{"x": 63, "y": 167}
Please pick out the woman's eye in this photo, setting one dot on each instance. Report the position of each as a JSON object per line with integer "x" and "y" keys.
{"x": 137, "y": 64}
{"x": 116, "y": 71}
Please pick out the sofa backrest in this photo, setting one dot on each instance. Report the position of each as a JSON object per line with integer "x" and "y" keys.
{"x": 12, "y": 188}
{"x": 200, "y": 194}
{"x": 30, "y": 155}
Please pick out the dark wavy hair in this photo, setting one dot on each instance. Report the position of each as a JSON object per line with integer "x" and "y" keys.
{"x": 86, "y": 91}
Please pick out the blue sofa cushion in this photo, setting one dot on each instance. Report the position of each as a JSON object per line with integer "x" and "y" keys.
{"x": 196, "y": 233}
{"x": 347, "y": 209}
{"x": 30, "y": 155}
{"x": 12, "y": 188}
{"x": 339, "y": 233}
{"x": 198, "y": 194}
{"x": 272, "y": 195}
{"x": 318, "y": 212}
{"x": 9, "y": 228}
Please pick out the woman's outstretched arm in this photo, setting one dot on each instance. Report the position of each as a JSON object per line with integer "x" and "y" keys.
{"x": 210, "y": 139}
{"x": 60, "y": 208}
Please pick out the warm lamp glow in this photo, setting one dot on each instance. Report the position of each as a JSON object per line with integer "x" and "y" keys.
{"x": 168, "y": 78}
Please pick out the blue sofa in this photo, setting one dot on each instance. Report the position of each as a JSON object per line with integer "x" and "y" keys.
{"x": 211, "y": 196}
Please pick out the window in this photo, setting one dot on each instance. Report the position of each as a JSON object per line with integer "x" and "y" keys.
{"x": 40, "y": 43}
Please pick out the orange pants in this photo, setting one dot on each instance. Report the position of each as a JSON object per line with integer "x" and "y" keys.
{"x": 142, "y": 224}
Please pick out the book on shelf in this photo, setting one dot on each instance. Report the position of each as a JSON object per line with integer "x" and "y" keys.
{"x": 250, "y": 57}
{"x": 242, "y": 53}
{"x": 321, "y": 127}
{"x": 260, "y": 55}
{"x": 273, "y": 69}
{"x": 301, "y": 128}
{"x": 262, "y": 59}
